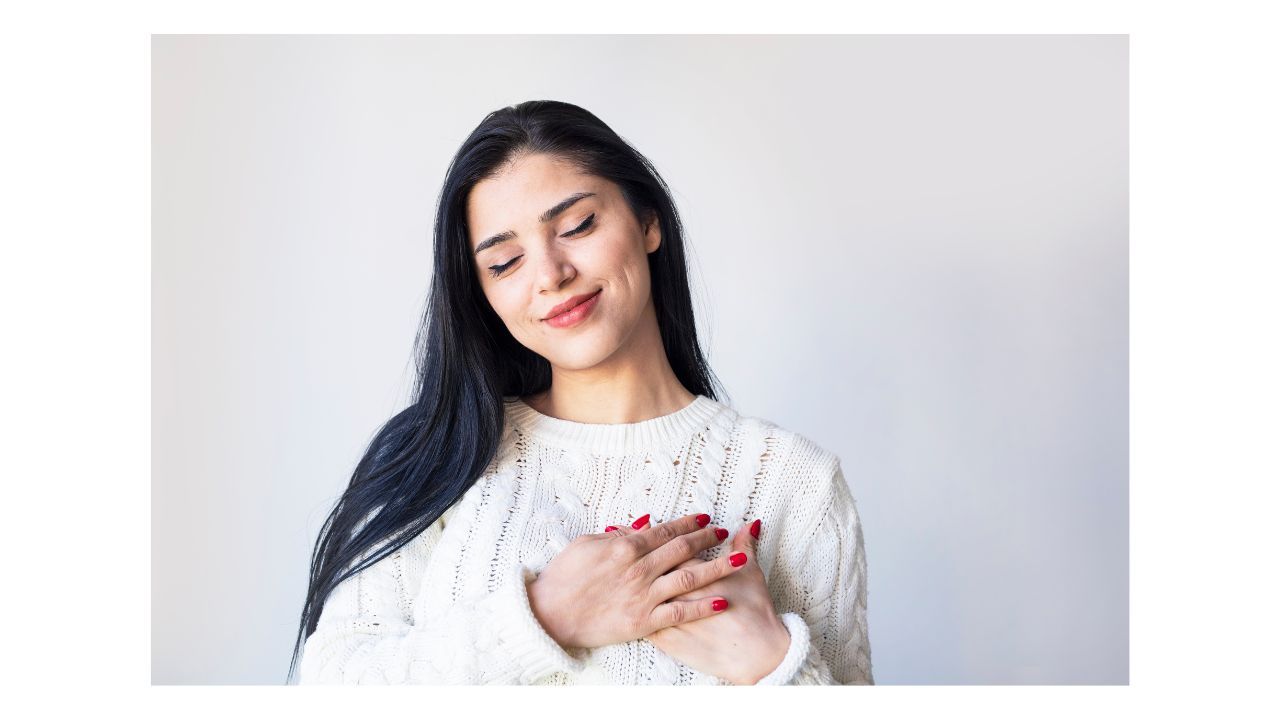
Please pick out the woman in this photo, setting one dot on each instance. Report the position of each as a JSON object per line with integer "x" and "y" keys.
{"x": 555, "y": 506}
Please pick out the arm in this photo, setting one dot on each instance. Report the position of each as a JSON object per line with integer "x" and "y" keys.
{"x": 829, "y": 643}
{"x": 372, "y": 630}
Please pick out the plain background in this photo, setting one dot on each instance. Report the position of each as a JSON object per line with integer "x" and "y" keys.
{"x": 912, "y": 249}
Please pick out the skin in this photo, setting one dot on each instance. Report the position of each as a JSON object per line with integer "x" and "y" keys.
{"x": 750, "y": 639}
{"x": 611, "y": 368}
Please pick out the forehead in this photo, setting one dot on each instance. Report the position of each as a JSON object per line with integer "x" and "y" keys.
{"x": 519, "y": 193}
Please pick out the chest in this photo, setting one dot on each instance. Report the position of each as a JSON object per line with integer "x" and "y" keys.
{"x": 526, "y": 509}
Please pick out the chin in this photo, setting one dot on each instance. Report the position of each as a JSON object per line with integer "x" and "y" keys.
{"x": 576, "y": 362}
{"x": 568, "y": 357}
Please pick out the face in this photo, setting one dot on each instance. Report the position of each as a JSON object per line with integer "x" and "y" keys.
{"x": 543, "y": 233}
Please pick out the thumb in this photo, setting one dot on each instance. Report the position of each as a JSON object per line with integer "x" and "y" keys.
{"x": 745, "y": 540}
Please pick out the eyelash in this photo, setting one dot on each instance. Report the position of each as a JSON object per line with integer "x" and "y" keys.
{"x": 496, "y": 270}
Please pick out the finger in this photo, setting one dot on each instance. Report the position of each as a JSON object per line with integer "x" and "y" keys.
{"x": 720, "y": 533}
{"x": 688, "y": 577}
{"x": 697, "y": 594}
{"x": 744, "y": 541}
{"x": 641, "y": 523}
{"x": 681, "y": 548}
{"x": 655, "y": 536}
{"x": 626, "y": 530}
{"x": 611, "y": 531}
{"x": 678, "y": 612}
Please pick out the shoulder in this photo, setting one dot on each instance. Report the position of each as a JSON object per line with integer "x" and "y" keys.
{"x": 805, "y": 471}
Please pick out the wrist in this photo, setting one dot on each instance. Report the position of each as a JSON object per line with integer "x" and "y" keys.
{"x": 777, "y": 643}
{"x": 540, "y": 607}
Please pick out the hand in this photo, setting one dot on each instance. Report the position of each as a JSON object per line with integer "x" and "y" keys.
{"x": 609, "y": 588}
{"x": 741, "y": 644}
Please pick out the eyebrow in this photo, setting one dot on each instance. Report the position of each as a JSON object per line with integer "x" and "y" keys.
{"x": 547, "y": 216}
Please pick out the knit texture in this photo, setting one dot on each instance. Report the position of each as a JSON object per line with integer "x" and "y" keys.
{"x": 451, "y": 606}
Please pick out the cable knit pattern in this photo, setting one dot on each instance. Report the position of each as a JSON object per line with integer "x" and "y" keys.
{"x": 451, "y": 606}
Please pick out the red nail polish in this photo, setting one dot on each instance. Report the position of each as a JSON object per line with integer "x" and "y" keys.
{"x": 719, "y": 604}
{"x": 755, "y": 529}
{"x": 611, "y": 528}
{"x": 738, "y": 559}
{"x": 721, "y": 533}
{"x": 640, "y": 521}
{"x": 703, "y": 519}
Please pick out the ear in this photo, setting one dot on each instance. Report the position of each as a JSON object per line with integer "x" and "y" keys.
{"x": 652, "y": 233}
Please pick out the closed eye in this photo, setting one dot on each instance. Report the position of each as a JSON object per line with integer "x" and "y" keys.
{"x": 586, "y": 225}
{"x": 496, "y": 270}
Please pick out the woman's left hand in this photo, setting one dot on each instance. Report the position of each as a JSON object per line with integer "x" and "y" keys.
{"x": 744, "y": 642}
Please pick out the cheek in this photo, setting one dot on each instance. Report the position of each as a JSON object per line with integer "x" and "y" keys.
{"x": 506, "y": 303}
{"x": 510, "y": 300}
{"x": 614, "y": 262}
{"x": 635, "y": 275}
{"x": 621, "y": 262}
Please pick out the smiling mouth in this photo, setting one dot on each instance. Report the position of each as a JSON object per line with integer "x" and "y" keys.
{"x": 585, "y": 300}
{"x": 576, "y": 314}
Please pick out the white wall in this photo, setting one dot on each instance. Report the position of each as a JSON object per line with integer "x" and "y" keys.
{"x": 913, "y": 249}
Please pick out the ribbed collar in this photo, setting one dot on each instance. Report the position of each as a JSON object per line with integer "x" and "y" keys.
{"x": 616, "y": 438}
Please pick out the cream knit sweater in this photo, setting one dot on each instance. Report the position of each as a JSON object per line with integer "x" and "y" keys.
{"x": 451, "y": 606}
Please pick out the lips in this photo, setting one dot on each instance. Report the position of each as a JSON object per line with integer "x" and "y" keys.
{"x": 570, "y": 304}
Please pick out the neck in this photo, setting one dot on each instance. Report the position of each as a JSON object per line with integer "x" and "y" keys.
{"x": 635, "y": 384}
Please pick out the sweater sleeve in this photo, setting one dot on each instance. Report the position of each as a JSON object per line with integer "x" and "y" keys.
{"x": 371, "y": 631}
{"x": 829, "y": 642}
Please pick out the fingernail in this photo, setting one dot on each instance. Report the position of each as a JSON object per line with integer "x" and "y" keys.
{"x": 611, "y": 528}
{"x": 640, "y": 521}
{"x": 721, "y": 533}
{"x": 719, "y": 604}
{"x": 755, "y": 529}
{"x": 737, "y": 559}
{"x": 703, "y": 519}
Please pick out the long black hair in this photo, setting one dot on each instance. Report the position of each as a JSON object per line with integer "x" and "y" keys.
{"x": 425, "y": 457}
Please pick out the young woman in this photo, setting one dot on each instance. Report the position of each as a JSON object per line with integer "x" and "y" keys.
{"x": 556, "y": 505}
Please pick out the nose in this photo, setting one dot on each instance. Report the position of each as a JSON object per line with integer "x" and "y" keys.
{"x": 554, "y": 270}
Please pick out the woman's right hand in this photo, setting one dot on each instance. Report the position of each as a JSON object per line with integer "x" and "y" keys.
{"x": 609, "y": 588}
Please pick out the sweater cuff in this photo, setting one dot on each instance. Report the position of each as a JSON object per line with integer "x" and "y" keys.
{"x": 522, "y": 638}
{"x": 796, "y": 653}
